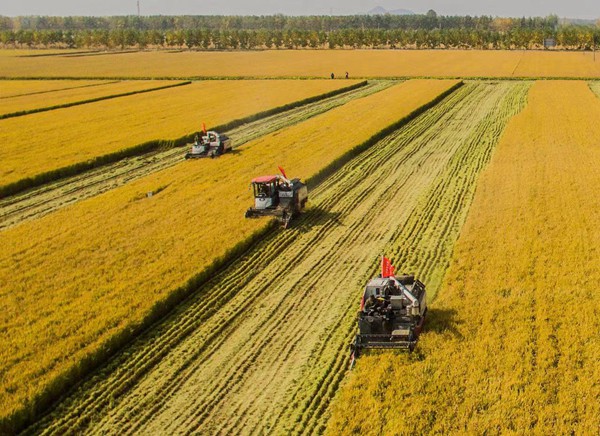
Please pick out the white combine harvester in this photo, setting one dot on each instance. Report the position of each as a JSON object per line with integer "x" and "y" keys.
{"x": 210, "y": 144}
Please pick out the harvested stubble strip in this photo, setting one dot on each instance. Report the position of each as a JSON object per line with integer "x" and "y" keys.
{"x": 77, "y": 278}
{"x": 47, "y": 141}
{"x": 512, "y": 345}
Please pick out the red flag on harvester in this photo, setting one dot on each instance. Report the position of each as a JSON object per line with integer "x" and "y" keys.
{"x": 282, "y": 172}
{"x": 204, "y": 128}
{"x": 387, "y": 269}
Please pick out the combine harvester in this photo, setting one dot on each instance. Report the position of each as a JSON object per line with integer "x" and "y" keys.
{"x": 278, "y": 196}
{"x": 392, "y": 312}
{"x": 210, "y": 144}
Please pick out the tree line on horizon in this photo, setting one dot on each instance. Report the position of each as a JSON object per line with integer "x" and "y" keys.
{"x": 278, "y": 31}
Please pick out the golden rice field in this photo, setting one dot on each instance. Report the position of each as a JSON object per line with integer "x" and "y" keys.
{"x": 122, "y": 253}
{"x": 57, "y": 94}
{"x": 279, "y": 318}
{"x": 312, "y": 63}
{"x": 47, "y": 141}
{"x": 18, "y": 88}
{"x": 48, "y": 197}
{"x": 125, "y": 313}
{"x": 512, "y": 346}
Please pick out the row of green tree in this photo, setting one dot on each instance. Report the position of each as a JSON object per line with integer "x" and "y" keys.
{"x": 572, "y": 37}
{"x": 318, "y": 23}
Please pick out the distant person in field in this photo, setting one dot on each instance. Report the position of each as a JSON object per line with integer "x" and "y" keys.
{"x": 332, "y": 76}
{"x": 346, "y": 74}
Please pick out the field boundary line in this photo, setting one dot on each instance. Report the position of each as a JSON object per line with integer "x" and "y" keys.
{"x": 91, "y": 100}
{"x": 61, "y": 89}
{"x": 42, "y": 403}
{"x": 199, "y": 78}
{"x": 40, "y": 55}
{"x": 156, "y": 144}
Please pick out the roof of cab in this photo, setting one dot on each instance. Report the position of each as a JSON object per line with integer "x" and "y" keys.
{"x": 264, "y": 179}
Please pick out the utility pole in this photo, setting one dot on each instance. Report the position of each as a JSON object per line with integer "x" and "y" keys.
{"x": 138, "y": 7}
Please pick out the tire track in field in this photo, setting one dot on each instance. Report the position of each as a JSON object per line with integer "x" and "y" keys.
{"x": 455, "y": 189}
{"x": 431, "y": 232}
{"x": 262, "y": 347}
{"x": 40, "y": 201}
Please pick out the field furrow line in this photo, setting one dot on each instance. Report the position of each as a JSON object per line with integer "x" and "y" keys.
{"x": 431, "y": 220}
{"x": 474, "y": 158}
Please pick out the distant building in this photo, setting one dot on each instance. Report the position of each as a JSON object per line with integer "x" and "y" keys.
{"x": 549, "y": 42}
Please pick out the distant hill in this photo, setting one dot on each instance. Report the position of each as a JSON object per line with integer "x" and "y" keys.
{"x": 382, "y": 11}
{"x": 576, "y": 21}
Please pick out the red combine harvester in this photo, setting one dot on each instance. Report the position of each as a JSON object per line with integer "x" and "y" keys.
{"x": 392, "y": 312}
{"x": 278, "y": 196}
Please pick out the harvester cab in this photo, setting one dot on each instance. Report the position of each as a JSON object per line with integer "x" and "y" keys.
{"x": 210, "y": 144}
{"x": 392, "y": 313}
{"x": 278, "y": 196}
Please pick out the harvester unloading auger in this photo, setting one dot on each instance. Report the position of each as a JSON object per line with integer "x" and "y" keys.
{"x": 392, "y": 312}
{"x": 278, "y": 196}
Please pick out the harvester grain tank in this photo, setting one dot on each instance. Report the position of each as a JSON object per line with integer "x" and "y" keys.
{"x": 210, "y": 144}
{"x": 278, "y": 196}
{"x": 392, "y": 312}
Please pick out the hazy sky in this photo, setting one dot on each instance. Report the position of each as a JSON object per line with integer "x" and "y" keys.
{"x": 512, "y": 8}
